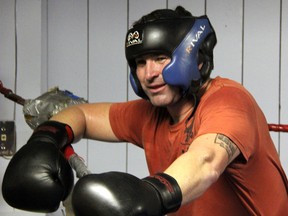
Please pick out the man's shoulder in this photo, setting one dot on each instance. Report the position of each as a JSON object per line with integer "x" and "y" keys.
{"x": 226, "y": 82}
{"x": 133, "y": 105}
{"x": 224, "y": 85}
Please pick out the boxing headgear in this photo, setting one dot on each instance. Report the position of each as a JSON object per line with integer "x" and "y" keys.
{"x": 187, "y": 40}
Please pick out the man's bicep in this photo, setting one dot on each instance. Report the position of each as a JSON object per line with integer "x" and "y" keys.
{"x": 229, "y": 146}
{"x": 221, "y": 149}
{"x": 203, "y": 163}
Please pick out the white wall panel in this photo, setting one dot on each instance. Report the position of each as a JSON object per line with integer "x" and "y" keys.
{"x": 107, "y": 75}
{"x": 67, "y": 45}
{"x": 67, "y": 50}
{"x": 261, "y": 55}
{"x": 79, "y": 46}
{"x": 226, "y": 19}
{"x": 7, "y": 75}
{"x": 284, "y": 85}
{"x": 67, "y": 54}
{"x": 7, "y": 55}
{"x": 28, "y": 76}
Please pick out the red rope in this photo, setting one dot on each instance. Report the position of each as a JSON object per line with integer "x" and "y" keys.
{"x": 278, "y": 127}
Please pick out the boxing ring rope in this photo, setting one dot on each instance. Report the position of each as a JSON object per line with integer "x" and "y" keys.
{"x": 76, "y": 162}
{"x": 278, "y": 127}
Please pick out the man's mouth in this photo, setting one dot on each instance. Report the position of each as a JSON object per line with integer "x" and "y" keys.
{"x": 154, "y": 89}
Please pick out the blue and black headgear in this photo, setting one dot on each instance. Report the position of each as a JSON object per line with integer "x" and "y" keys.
{"x": 188, "y": 40}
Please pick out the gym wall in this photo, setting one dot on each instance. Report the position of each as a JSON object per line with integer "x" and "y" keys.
{"x": 79, "y": 46}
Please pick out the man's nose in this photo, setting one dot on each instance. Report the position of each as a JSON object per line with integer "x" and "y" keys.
{"x": 152, "y": 70}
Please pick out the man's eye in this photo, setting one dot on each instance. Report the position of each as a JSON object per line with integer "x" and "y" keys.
{"x": 161, "y": 59}
{"x": 140, "y": 62}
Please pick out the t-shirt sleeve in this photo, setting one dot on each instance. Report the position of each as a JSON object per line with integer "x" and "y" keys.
{"x": 231, "y": 111}
{"x": 127, "y": 120}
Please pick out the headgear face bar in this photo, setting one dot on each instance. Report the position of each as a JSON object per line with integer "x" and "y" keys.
{"x": 184, "y": 40}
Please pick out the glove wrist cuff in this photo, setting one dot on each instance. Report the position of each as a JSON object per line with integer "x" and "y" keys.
{"x": 168, "y": 189}
{"x": 59, "y": 133}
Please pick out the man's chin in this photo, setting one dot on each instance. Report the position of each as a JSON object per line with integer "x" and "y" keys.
{"x": 160, "y": 101}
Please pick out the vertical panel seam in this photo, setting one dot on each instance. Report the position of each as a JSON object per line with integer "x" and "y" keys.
{"x": 88, "y": 70}
{"x": 127, "y": 87}
{"x": 47, "y": 43}
{"x": 280, "y": 73}
{"x": 88, "y": 50}
{"x": 15, "y": 55}
{"x": 243, "y": 37}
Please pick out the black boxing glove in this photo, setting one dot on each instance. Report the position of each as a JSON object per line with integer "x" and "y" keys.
{"x": 121, "y": 194}
{"x": 38, "y": 176}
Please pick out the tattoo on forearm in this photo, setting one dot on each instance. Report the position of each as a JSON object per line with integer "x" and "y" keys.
{"x": 227, "y": 144}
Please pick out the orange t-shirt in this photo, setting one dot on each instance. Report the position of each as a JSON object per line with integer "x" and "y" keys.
{"x": 253, "y": 184}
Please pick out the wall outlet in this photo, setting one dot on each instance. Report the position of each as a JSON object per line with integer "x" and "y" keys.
{"x": 7, "y": 138}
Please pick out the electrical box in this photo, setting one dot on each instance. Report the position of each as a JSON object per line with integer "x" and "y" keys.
{"x": 7, "y": 138}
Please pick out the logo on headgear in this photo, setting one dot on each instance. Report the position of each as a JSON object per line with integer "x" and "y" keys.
{"x": 133, "y": 39}
{"x": 196, "y": 38}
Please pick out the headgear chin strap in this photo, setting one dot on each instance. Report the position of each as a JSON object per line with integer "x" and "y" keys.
{"x": 179, "y": 38}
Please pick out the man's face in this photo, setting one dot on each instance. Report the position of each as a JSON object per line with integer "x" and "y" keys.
{"x": 149, "y": 72}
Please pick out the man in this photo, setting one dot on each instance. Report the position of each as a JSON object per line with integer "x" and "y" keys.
{"x": 206, "y": 141}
